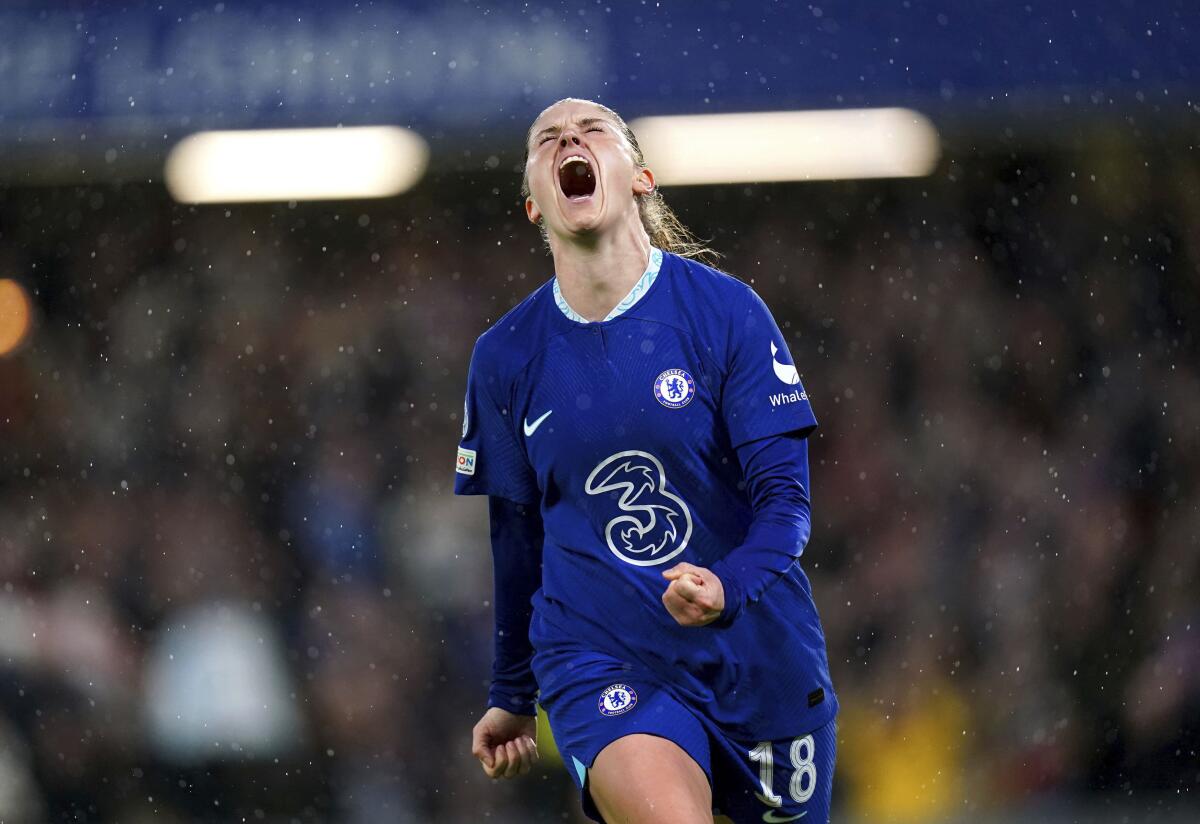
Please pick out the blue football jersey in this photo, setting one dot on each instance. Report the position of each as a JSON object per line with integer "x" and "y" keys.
{"x": 624, "y": 433}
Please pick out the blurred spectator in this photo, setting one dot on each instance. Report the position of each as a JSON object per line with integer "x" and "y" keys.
{"x": 217, "y": 687}
{"x": 904, "y": 749}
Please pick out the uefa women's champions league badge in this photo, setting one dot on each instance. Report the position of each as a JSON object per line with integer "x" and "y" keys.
{"x": 674, "y": 388}
{"x": 617, "y": 700}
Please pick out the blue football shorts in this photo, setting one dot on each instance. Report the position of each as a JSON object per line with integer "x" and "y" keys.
{"x": 592, "y": 699}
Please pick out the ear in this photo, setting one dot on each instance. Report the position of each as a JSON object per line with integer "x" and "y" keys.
{"x": 643, "y": 182}
{"x": 532, "y": 211}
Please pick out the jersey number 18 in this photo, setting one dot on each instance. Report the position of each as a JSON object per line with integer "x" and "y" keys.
{"x": 801, "y": 756}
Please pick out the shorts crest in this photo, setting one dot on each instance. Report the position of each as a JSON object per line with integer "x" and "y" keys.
{"x": 617, "y": 700}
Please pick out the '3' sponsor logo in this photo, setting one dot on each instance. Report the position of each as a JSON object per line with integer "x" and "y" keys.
{"x": 654, "y": 524}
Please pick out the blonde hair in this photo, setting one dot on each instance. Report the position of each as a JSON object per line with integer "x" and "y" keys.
{"x": 664, "y": 227}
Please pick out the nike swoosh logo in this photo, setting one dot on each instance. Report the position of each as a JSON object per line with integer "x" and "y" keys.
{"x": 771, "y": 818}
{"x": 530, "y": 428}
{"x": 787, "y": 373}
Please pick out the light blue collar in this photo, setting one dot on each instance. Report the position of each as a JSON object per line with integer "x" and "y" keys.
{"x": 635, "y": 294}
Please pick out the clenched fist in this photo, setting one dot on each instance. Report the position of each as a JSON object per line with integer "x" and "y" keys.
{"x": 695, "y": 596}
{"x": 505, "y": 743}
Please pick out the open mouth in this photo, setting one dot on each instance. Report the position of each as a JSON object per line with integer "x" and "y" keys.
{"x": 575, "y": 177}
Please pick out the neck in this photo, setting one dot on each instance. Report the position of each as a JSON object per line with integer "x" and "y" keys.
{"x": 596, "y": 272}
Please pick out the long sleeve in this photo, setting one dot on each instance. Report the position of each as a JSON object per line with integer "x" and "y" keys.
{"x": 776, "y": 473}
{"x": 517, "y": 535}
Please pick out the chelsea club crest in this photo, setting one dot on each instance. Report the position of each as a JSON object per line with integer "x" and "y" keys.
{"x": 617, "y": 700}
{"x": 674, "y": 388}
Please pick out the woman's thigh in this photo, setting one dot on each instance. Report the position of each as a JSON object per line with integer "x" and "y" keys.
{"x": 645, "y": 779}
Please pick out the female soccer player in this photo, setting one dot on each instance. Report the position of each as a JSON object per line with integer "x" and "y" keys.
{"x": 640, "y": 430}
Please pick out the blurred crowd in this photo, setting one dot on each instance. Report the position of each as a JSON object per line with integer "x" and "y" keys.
{"x": 234, "y": 583}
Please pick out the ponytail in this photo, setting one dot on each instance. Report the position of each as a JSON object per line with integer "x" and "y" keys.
{"x": 667, "y": 231}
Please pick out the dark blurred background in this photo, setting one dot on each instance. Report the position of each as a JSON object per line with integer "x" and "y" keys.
{"x": 234, "y": 583}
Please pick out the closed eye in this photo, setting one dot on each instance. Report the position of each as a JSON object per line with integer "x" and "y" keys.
{"x": 547, "y": 138}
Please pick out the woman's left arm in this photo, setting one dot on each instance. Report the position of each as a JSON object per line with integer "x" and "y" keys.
{"x": 776, "y": 473}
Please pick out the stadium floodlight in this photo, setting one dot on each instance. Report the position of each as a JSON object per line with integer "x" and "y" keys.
{"x": 837, "y": 144}
{"x": 16, "y": 315}
{"x": 295, "y": 164}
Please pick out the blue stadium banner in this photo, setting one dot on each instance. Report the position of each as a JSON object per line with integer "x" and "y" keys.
{"x": 457, "y": 67}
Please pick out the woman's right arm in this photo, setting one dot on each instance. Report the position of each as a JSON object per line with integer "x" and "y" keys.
{"x": 492, "y": 462}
